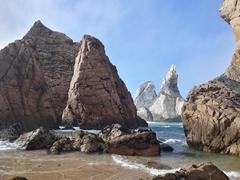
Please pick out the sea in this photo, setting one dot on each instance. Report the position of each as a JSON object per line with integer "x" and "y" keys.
{"x": 170, "y": 133}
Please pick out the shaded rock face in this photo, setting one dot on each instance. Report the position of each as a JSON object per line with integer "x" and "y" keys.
{"x": 211, "y": 115}
{"x": 230, "y": 11}
{"x": 35, "y": 74}
{"x": 167, "y": 106}
{"x": 119, "y": 140}
{"x": 40, "y": 138}
{"x": 204, "y": 171}
{"x": 97, "y": 96}
{"x": 145, "y": 95}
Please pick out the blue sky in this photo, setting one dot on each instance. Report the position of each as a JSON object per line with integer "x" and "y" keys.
{"x": 142, "y": 37}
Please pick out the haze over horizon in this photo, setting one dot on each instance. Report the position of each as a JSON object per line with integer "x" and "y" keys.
{"x": 141, "y": 39}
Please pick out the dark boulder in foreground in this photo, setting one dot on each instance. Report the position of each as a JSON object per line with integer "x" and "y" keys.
{"x": 40, "y": 138}
{"x": 206, "y": 171}
{"x": 112, "y": 139}
{"x": 97, "y": 96}
{"x": 211, "y": 115}
{"x": 130, "y": 142}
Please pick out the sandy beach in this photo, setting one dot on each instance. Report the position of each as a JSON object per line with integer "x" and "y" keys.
{"x": 38, "y": 166}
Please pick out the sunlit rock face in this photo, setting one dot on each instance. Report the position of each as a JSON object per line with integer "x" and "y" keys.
{"x": 164, "y": 107}
{"x": 97, "y": 96}
{"x": 35, "y": 74}
{"x": 211, "y": 115}
{"x": 169, "y": 102}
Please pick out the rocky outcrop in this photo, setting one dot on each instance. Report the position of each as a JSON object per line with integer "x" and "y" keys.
{"x": 40, "y": 138}
{"x": 97, "y": 96}
{"x": 145, "y": 95}
{"x": 167, "y": 106}
{"x": 135, "y": 142}
{"x": 203, "y": 171}
{"x": 230, "y": 11}
{"x": 211, "y": 115}
{"x": 35, "y": 74}
{"x": 114, "y": 139}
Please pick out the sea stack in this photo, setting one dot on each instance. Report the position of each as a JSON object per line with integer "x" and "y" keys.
{"x": 35, "y": 74}
{"x": 211, "y": 115}
{"x": 97, "y": 96}
{"x": 163, "y": 107}
{"x": 167, "y": 106}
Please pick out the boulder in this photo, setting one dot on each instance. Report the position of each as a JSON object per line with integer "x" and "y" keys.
{"x": 97, "y": 96}
{"x": 130, "y": 142}
{"x": 40, "y": 138}
{"x": 166, "y": 148}
{"x": 35, "y": 74}
{"x": 204, "y": 171}
{"x": 168, "y": 104}
{"x": 62, "y": 145}
{"x": 211, "y": 115}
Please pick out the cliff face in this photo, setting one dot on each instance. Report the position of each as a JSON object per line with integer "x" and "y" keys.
{"x": 35, "y": 74}
{"x": 164, "y": 107}
{"x": 211, "y": 115}
{"x": 230, "y": 11}
{"x": 97, "y": 96}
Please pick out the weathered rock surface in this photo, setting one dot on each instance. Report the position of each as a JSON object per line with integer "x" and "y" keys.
{"x": 35, "y": 74}
{"x": 125, "y": 142}
{"x": 62, "y": 145}
{"x": 145, "y": 95}
{"x": 168, "y": 105}
{"x": 40, "y": 138}
{"x": 211, "y": 115}
{"x": 204, "y": 171}
{"x": 97, "y": 96}
{"x": 230, "y": 11}
{"x": 144, "y": 113}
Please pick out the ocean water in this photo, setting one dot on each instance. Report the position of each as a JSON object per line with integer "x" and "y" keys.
{"x": 170, "y": 133}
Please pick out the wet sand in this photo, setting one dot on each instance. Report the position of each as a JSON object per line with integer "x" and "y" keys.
{"x": 72, "y": 166}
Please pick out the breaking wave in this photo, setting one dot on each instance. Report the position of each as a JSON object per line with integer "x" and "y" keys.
{"x": 6, "y": 145}
{"x": 132, "y": 165}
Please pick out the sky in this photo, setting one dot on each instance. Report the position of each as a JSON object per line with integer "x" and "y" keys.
{"x": 141, "y": 37}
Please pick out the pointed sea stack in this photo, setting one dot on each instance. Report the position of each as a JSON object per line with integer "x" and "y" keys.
{"x": 35, "y": 74}
{"x": 211, "y": 115}
{"x": 97, "y": 96}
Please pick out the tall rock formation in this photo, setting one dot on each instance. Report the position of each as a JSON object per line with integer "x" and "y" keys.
{"x": 211, "y": 115}
{"x": 164, "y": 107}
{"x": 145, "y": 95}
{"x": 169, "y": 102}
{"x": 97, "y": 96}
{"x": 35, "y": 74}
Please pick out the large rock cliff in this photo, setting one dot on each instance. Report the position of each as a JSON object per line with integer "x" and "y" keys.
{"x": 35, "y": 74}
{"x": 97, "y": 96}
{"x": 211, "y": 115}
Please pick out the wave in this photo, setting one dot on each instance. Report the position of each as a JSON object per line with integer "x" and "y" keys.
{"x": 6, "y": 145}
{"x": 233, "y": 174}
{"x": 165, "y": 124}
{"x": 155, "y": 172}
{"x": 132, "y": 165}
{"x": 172, "y": 141}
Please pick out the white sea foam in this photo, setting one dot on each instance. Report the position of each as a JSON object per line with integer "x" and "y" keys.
{"x": 6, "y": 145}
{"x": 233, "y": 174}
{"x": 133, "y": 165}
{"x": 165, "y": 124}
{"x": 171, "y": 141}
